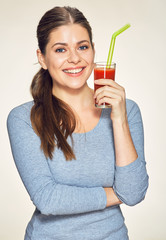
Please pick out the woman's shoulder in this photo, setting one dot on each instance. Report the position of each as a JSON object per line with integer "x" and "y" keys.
{"x": 22, "y": 111}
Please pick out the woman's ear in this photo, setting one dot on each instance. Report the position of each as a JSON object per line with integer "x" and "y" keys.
{"x": 41, "y": 59}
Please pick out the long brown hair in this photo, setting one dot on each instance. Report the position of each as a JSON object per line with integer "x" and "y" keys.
{"x": 52, "y": 119}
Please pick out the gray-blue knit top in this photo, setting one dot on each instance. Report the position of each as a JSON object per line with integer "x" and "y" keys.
{"x": 69, "y": 196}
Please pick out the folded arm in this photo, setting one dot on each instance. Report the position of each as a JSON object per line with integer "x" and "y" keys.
{"x": 47, "y": 195}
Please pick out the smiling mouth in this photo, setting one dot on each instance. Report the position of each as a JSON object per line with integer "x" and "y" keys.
{"x": 74, "y": 71}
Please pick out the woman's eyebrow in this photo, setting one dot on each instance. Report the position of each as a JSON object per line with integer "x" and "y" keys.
{"x": 59, "y": 43}
{"x": 83, "y": 41}
{"x": 65, "y": 44}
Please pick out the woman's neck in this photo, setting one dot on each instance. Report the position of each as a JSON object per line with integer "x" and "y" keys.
{"x": 82, "y": 103}
{"x": 77, "y": 99}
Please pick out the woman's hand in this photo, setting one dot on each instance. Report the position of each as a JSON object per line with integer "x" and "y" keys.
{"x": 113, "y": 94}
{"x": 112, "y": 199}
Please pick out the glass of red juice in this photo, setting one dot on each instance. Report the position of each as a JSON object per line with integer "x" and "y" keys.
{"x": 103, "y": 70}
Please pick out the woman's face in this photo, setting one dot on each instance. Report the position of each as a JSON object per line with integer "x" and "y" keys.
{"x": 69, "y": 57}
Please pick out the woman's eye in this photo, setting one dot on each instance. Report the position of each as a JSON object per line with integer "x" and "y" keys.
{"x": 83, "y": 47}
{"x": 60, "y": 50}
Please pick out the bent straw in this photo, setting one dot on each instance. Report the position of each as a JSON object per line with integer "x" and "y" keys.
{"x": 112, "y": 44}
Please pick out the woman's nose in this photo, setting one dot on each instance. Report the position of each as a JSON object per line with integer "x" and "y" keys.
{"x": 74, "y": 57}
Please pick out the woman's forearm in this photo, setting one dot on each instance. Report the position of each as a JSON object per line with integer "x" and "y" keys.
{"x": 125, "y": 151}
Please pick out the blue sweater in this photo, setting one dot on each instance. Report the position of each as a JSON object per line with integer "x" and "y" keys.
{"x": 69, "y": 196}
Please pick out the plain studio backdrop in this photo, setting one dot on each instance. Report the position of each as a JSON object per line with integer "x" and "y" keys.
{"x": 140, "y": 55}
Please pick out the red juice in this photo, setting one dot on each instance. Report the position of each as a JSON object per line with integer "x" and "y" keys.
{"x": 101, "y": 72}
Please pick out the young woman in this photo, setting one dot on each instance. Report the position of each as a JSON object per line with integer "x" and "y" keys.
{"x": 77, "y": 162}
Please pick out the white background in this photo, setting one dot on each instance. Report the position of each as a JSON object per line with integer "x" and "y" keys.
{"x": 140, "y": 54}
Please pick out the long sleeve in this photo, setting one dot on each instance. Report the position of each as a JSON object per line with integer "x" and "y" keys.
{"x": 131, "y": 181}
{"x": 48, "y": 196}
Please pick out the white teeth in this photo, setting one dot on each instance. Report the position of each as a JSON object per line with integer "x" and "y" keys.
{"x": 74, "y": 70}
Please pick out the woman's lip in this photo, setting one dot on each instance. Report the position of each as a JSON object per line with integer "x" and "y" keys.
{"x": 74, "y": 72}
{"x": 73, "y": 68}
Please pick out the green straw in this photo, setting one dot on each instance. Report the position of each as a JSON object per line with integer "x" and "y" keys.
{"x": 112, "y": 44}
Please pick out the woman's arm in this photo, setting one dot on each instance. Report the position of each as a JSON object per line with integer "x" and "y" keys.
{"x": 47, "y": 195}
{"x": 131, "y": 179}
{"x": 113, "y": 94}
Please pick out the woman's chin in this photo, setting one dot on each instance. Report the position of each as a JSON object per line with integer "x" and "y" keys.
{"x": 77, "y": 86}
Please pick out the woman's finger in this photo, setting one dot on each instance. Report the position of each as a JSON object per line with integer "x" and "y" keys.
{"x": 108, "y": 82}
{"x": 108, "y": 93}
{"x": 110, "y": 89}
{"x": 114, "y": 102}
